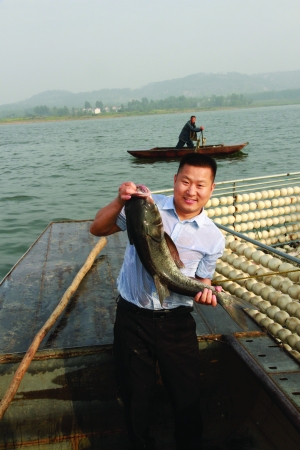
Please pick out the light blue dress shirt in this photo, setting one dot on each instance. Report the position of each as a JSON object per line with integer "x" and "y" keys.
{"x": 199, "y": 242}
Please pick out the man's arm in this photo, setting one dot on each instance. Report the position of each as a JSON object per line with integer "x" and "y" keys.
{"x": 104, "y": 223}
{"x": 194, "y": 129}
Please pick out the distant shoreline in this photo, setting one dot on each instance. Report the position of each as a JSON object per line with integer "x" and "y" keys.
{"x": 25, "y": 120}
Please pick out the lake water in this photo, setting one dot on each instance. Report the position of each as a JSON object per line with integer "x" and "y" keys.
{"x": 68, "y": 170}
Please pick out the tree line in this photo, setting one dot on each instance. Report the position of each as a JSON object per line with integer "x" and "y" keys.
{"x": 171, "y": 103}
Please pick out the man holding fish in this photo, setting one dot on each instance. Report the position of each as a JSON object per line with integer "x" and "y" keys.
{"x": 169, "y": 262}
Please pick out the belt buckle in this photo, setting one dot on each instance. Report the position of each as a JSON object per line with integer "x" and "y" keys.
{"x": 159, "y": 314}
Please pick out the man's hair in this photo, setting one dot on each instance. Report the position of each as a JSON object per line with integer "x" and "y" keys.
{"x": 192, "y": 117}
{"x": 198, "y": 160}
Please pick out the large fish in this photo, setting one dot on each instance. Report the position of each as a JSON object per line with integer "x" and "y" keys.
{"x": 159, "y": 254}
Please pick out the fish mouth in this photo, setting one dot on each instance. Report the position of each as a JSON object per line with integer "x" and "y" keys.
{"x": 141, "y": 191}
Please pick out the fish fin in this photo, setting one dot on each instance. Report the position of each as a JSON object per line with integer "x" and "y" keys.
{"x": 173, "y": 250}
{"x": 161, "y": 288}
{"x": 130, "y": 238}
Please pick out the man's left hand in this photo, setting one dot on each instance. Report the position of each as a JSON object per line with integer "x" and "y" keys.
{"x": 207, "y": 297}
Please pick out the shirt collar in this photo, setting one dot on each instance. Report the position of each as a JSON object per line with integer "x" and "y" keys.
{"x": 199, "y": 219}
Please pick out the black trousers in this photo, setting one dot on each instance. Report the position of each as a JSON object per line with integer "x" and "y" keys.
{"x": 139, "y": 343}
{"x": 181, "y": 144}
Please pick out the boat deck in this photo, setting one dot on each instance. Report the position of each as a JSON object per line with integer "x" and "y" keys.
{"x": 68, "y": 398}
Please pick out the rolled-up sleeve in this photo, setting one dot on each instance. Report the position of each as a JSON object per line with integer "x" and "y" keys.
{"x": 121, "y": 220}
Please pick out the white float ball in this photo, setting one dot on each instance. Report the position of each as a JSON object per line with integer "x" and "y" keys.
{"x": 215, "y": 201}
{"x": 265, "y": 292}
{"x": 241, "y": 248}
{"x": 260, "y": 205}
{"x": 276, "y": 281}
{"x": 287, "y": 201}
{"x": 283, "y": 333}
{"x": 283, "y": 301}
{"x": 281, "y": 317}
{"x": 273, "y": 297}
{"x": 257, "y": 255}
{"x": 270, "y": 193}
{"x": 283, "y": 192}
{"x": 285, "y": 285}
{"x": 233, "y": 244}
{"x": 251, "y": 196}
{"x": 231, "y": 209}
{"x": 272, "y": 310}
{"x": 238, "y": 228}
{"x": 258, "y": 195}
{"x": 263, "y": 223}
{"x": 290, "y": 191}
{"x": 292, "y": 323}
{"x": 292, "y": 308}
{"x": 257, "y": 288}
{"x": 245, "y": 197}
{"x": 223, "y": 200}
{"x": 292, "y": 339}
{"x": 238, "y": 198}
{"x": 252, "y": 206}
{"x": 274, "y": 202}
{"x": 264, "y": 259}
{"x": 274, "y": 263}
{"x": 274, "y": 327}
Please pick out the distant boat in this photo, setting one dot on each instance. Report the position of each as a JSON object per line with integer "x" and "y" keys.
{"x": 172, "y": 152}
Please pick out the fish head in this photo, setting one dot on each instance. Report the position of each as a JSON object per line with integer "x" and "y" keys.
{"x": 143, "y": 218}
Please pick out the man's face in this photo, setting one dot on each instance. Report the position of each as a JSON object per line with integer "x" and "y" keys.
{"x": 193, "y": 187}
{"x": 193, "y": 119}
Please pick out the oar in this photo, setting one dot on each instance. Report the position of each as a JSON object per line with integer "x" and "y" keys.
{"x": 20, "y": 372}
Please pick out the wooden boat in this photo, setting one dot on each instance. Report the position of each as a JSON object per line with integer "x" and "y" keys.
{"x": 173, "y": 153}
{"x": 68, "y": 398}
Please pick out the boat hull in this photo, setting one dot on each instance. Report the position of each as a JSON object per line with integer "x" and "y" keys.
{"x": 173, "y": 153}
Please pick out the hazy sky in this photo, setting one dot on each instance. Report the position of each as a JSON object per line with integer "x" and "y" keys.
{"x": 86, "y": 45}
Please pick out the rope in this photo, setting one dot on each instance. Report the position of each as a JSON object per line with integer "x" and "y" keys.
{"x": 257, "y": 276}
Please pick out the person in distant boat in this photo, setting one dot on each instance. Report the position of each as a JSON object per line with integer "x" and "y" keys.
{"x": 185, "y": 135}
{"x": 147, "y": 332}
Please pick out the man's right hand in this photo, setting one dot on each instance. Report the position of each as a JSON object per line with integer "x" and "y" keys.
{"x": 201, "y": 128}
{"x": 125, "y": 191}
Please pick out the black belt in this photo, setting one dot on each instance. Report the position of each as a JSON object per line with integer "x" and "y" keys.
{"x": 153, "y": 313}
